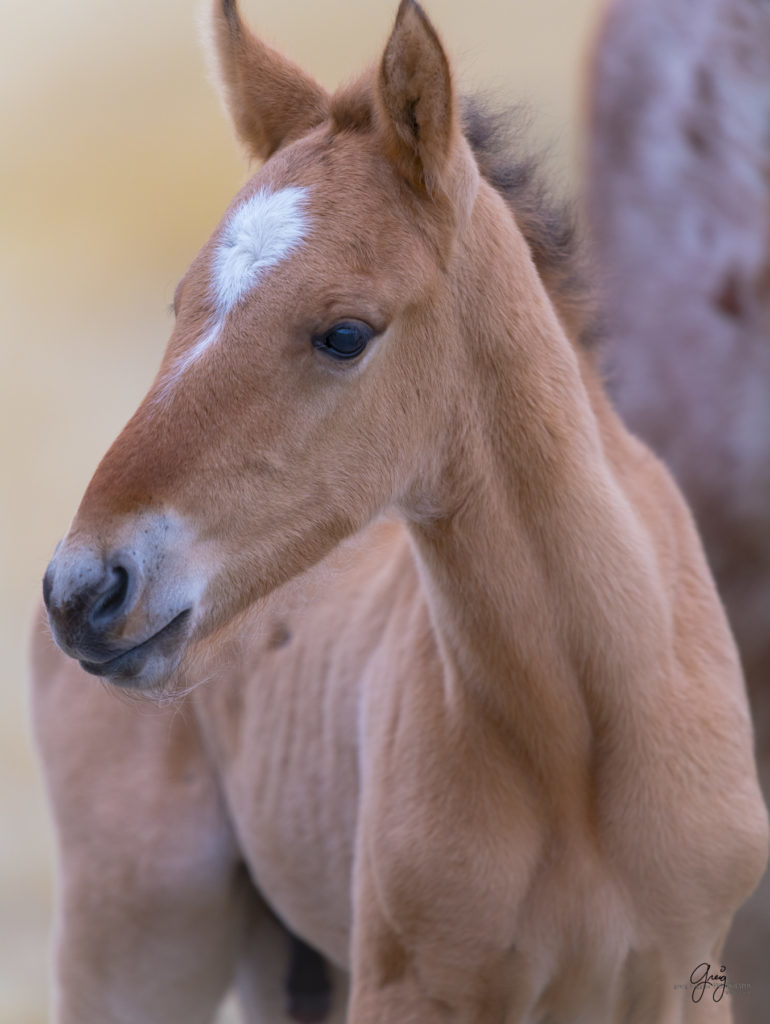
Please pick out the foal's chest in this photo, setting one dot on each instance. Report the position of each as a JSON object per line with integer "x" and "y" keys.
{"x": 286, "y": 752}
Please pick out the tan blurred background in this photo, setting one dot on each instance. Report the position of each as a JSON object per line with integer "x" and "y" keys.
{"x": 115, "y": 164}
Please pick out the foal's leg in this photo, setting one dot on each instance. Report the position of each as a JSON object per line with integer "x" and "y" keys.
{"x": 151, "y": 907}
{"x": 447, "y": 969}
{"x": 153, "y": 955}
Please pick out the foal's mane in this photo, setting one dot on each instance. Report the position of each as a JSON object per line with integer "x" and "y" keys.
{"x": 550, "y": 227}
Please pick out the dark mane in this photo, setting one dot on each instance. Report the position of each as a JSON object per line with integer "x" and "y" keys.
{"x": 550, "y": 226}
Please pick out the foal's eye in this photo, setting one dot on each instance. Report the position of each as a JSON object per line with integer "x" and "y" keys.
{"x": 345, "y": 340}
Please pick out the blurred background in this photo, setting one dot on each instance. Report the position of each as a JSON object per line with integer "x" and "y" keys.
{"x": 115, "y": 165}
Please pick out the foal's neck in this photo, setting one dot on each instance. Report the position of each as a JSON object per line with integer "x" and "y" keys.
{"x": 540, "y": 580}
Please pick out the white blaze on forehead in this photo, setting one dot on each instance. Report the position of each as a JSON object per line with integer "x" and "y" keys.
{"x": 259, "y": 234}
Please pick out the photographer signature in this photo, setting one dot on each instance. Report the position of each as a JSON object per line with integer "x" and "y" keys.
{"x": 702, "y": 978}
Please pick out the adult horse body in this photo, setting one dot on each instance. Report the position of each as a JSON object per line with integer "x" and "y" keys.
{"x": 679, "y": 172}
{"x": 492, "y": 755}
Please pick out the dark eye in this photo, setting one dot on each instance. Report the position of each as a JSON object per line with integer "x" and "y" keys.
{"x": 345, "y": 340}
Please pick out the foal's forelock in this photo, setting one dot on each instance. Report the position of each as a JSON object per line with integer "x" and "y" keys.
{"x": 261, "y": 232}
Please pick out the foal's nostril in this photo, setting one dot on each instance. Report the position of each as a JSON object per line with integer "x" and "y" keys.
{"x": 47, "y": 587}
{"x": 111, "y": 604}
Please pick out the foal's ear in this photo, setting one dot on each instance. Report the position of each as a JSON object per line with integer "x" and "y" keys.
{"x": 416, "y": 98}
{"x": 270, "y": 100}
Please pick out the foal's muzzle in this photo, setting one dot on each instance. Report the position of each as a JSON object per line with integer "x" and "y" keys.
{"x": 123, "y": 614}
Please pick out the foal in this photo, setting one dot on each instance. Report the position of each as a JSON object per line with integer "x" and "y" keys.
{"x": 489, "y": 752}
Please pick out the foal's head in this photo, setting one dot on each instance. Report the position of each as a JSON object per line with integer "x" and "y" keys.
{"x": 307, "y": 381}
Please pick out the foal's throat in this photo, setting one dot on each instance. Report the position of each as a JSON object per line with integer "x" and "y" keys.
{"x": 539, "y": 579}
